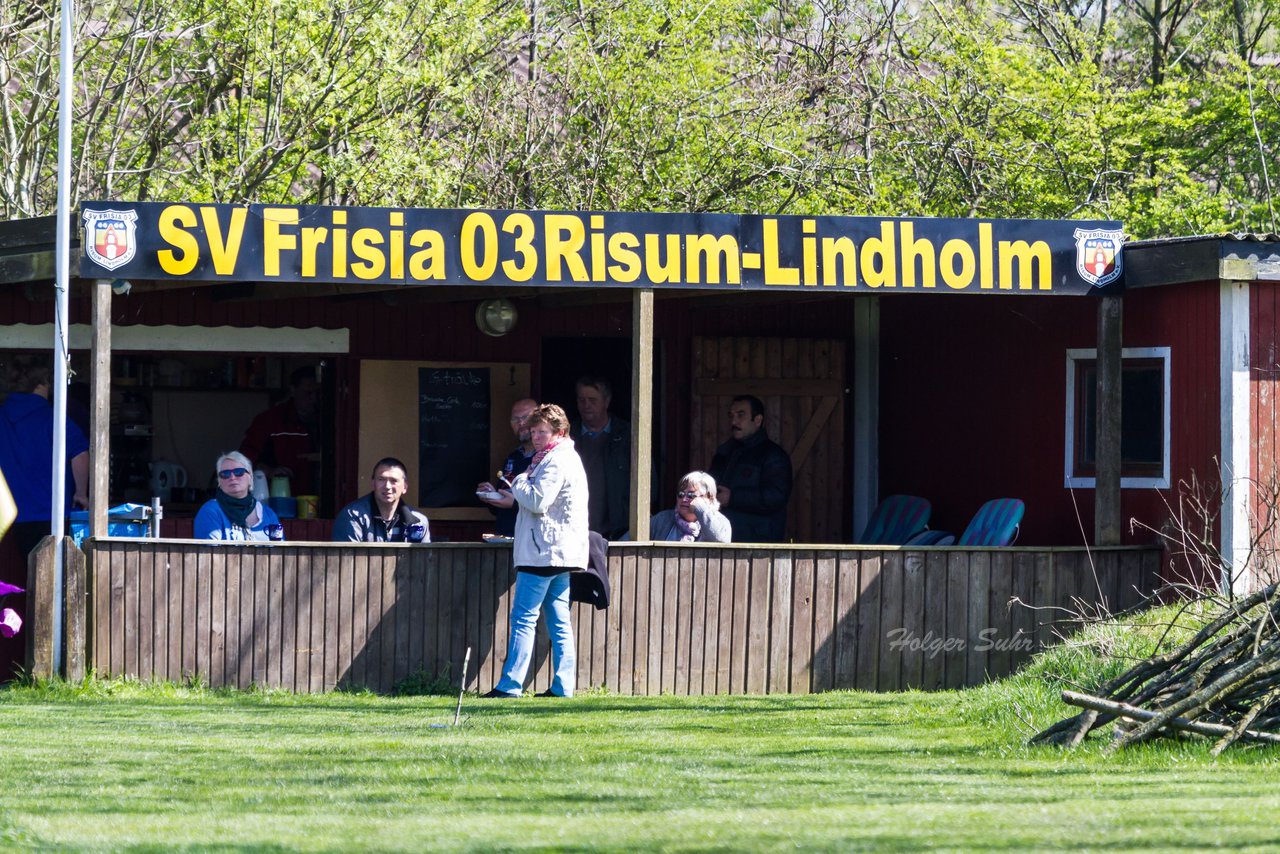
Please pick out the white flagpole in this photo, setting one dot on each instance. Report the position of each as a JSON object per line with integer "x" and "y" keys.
{"x": 61, "y": 351}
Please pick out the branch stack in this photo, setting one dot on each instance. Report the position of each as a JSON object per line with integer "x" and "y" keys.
{"x": 1224, "y": 683}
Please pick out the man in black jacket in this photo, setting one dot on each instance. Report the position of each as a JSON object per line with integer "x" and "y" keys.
{"x": 603, "y": 441}
{"x": 753, "y": 476}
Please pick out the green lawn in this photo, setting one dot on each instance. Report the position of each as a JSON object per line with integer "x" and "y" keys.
{"x": 118, "y": 767}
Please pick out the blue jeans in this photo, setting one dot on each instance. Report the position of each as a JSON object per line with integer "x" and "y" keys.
{"x": 532, "y": 592}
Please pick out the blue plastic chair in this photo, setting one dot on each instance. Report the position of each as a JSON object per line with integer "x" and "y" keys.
{"x": 995, "y": 523}
{"x": 933, "y": 538}
{"x": 896, "y": 520}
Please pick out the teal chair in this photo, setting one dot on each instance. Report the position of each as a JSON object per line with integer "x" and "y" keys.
{"x": 995, "y": 523}
{"x": 896, "y": 520}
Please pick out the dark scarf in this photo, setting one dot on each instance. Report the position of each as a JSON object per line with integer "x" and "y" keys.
{"x": 237, "y": 509}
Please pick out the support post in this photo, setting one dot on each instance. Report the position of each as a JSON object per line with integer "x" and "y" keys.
{"x": 1107, "y": 517}
{"x": 641, "y": 411}
{"x": 100, "y": 410}
{"x": 1236, "y": 438}
{"x": 866, "y": 409}
{"x": 41, "y": 611}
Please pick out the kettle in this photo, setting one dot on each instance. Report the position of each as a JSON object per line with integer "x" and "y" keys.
{"x": 165, "y": 477}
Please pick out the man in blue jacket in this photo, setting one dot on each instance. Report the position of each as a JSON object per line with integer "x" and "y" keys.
{"x": 753, "y": 476}
{"x": 26, "y": 451}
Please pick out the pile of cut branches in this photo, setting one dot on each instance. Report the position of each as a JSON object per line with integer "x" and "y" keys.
{"x": 1224, "y": 683}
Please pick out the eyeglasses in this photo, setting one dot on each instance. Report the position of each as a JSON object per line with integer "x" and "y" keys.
{"x": 689, "y": 495}
{"x": 227, "y": 474}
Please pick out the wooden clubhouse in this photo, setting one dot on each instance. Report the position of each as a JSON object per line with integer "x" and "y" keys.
{"x": 883, "y": 369}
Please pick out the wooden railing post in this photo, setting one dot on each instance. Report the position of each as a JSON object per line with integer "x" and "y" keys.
{"x": 39, "y": 626}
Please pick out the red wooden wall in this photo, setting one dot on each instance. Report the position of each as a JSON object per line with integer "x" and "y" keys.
{"x": 973, "y": 398}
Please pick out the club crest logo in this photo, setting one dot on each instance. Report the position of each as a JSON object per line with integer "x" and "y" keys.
{"x": 110, "y": 237}
{"x": 1098, "y": 255}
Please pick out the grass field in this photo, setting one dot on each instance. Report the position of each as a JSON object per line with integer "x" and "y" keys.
{"x": 116, "y": 766}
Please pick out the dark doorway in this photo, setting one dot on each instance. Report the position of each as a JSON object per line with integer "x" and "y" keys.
{"x": 566, "y": 359}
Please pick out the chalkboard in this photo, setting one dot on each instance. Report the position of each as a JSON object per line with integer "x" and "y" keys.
{"x": 453, "y": 435}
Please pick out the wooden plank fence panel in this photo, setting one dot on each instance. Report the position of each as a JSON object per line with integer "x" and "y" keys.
{"x": 892, "y": 589}
{"x": 150, "y": 633}
{"x": 137, "y": 590}
{"x": 825, "y": 601}
{"x": 692, "y": 610}
{"x": 1042, "y": 597}
{"x": 756, "y": 649}
{"x": 308, "y": 641}
{"x": 778, "y": 630}
{"x": 846, "y": 620}
{"x": 75, "y": 600}
{"x": 639, "y": 649}
{"x": 289, "y": 619}
{"x": 191, "y": 614}
{"x": 934, "y": 617}
{"x": 869, "y": 621}
{"x": 1023, "y": 613}
{"x": 218, "y": 619}
{"x": 955, "y": 663}
{"x": 670, "y": 618}
{"x": 709, "y": 630}
{"x": 260, "y": 628}
{"x": 100, "y": 582}
{"x": 913, "y": 595}
{"x": 801, "y": 652}
{"x": 727, "y": 623}
{"x": 999, "y": 613}
{"x": 684, "y": 619}
{"x": 653, "y": 652}
{"x": 979, "y": 617}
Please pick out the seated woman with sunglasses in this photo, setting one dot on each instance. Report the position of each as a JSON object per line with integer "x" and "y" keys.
{"x": 696, "y": 517}
{"x": 234, "y": 514}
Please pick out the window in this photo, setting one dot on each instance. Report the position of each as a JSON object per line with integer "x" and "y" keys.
{"x": 1144, "y": 418}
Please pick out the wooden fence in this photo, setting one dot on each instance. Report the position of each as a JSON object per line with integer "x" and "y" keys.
{"x": 685, "y": 619}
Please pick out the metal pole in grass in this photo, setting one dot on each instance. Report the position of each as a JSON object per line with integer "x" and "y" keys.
{"x": 463, "y": 687}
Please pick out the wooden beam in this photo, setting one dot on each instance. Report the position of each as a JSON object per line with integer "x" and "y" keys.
{"x": 641, "y": 411}
{"x": 1107, "y": 525}
{"x": 100, "y": 410}
{"x": 40, "y": 606}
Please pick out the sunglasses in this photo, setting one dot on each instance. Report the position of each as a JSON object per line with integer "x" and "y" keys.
{"x": 689, "y": 495}
{"x": 227, "y": 474}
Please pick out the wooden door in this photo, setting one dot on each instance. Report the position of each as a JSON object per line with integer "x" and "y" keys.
{"x": 802, "y": 384}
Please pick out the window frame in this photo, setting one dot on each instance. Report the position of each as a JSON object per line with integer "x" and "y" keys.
{"x": 1074, "y": 357}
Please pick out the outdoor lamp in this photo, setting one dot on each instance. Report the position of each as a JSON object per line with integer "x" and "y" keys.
{"x": 496, "y": 316}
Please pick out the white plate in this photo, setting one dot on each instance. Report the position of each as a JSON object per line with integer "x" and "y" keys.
{"x": 491, "y": 496}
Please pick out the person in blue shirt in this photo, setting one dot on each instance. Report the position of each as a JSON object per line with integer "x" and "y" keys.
{"x": 26, "y": 450}
{"x": 233, "y": 514}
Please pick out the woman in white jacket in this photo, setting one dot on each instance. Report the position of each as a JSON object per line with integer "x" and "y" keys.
{"x": 550, "y": 540}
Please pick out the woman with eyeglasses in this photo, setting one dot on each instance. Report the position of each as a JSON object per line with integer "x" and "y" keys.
{"x": 233, "y": 513}
{"x": 696, "y": 517}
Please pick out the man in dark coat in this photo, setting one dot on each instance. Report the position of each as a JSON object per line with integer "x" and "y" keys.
{"x": 753, "y": 476}
{"x": 603, "y": 441}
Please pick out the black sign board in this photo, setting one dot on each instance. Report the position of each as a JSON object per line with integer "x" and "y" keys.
{"x": 687, "y": 251}
{"x": 453, "y": 435}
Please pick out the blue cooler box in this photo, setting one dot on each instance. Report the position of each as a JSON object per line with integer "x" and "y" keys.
{"x": 123, "y": 520}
